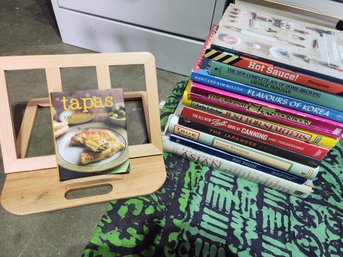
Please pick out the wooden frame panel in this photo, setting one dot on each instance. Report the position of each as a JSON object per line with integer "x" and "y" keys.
{"x": 32, "y": 184}
{"x": 52, "y": 65}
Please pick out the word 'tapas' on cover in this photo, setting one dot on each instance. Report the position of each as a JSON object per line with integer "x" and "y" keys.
{"x": 90, "y": 133}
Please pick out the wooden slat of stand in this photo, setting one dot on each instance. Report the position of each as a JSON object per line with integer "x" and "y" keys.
{"x": 36, "y": 188}
{"x": 41, "y": 191}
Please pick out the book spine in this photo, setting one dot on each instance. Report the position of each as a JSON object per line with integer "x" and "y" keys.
{"x": 276, "y": 113}
{"x": 255, "y": 133}
{"x": 252, "y": 144}
{"x": 237, "y": 159}
{"x": 274, "y": 71}
{"x": 246, "y": 152}
{"x": 268, "y": 83}
{"x": 200, "y": 58}
{"x": 277, "y": 99}
{"x": 235, "y": 169}
{"x": 298, "y": 134}
{"x": 279, "y": 64}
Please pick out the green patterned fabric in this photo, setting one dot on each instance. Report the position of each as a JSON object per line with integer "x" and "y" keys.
{"x": 204, "y": 212}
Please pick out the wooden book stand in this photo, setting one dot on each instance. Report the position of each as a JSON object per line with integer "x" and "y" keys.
{"x": 32, "y": 184}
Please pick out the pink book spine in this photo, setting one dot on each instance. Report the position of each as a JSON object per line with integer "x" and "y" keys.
{"x": 255, "y": 133}
{"x": 269, "y": 111}
{"x": 206, "y": 45}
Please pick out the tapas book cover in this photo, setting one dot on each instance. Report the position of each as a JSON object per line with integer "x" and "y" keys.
{"x": 90, "y": 132}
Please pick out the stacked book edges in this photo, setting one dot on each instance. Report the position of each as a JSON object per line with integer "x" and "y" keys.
{"x": 264, "y": 101}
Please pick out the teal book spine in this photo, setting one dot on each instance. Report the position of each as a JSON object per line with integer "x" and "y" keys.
{"x": 275, "y": 85}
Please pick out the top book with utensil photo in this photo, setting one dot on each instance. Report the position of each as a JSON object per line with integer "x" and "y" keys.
{"x": 285, "y": 42}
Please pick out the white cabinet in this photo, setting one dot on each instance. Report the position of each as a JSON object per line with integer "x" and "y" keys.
{"x": 173, "y": 30}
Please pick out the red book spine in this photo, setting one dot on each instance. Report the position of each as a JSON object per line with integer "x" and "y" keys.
{"x": 271, "y": 70}
{"x": 255, "y": 133}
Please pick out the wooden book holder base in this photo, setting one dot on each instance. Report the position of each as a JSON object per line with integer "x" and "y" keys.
{"x": 32, "y": 184}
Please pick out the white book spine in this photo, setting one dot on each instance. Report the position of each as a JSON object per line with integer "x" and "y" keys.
{"x": 235, "y": 169}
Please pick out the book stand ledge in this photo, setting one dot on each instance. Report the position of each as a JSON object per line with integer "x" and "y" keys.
{"x": 32, "y": 184}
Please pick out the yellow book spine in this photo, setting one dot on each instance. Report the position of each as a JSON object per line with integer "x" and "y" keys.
{"x": 316, "y": 139}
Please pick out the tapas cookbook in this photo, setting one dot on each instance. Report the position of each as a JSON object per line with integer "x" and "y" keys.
{"x": 89, "y": 132}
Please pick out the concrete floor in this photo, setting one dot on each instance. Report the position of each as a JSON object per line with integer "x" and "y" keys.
{"x": 28, "y": 28}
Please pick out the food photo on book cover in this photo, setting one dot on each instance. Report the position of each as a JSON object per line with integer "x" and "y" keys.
{"x": 90, "y": 132}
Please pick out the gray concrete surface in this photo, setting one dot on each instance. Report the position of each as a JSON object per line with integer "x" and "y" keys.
{"x": 28, "y": 28}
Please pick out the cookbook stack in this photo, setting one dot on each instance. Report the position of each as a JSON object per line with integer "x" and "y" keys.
{"x": 265, "y": 100}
